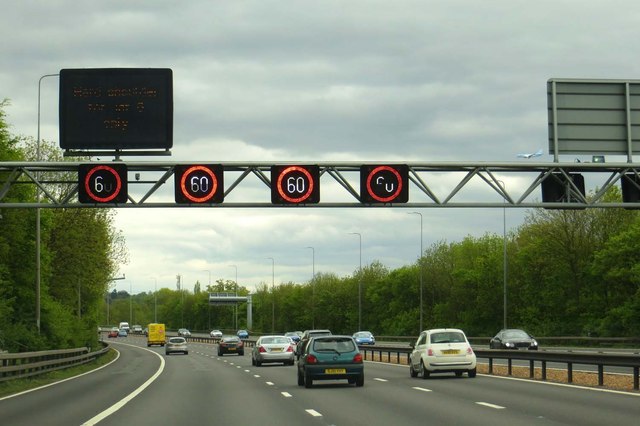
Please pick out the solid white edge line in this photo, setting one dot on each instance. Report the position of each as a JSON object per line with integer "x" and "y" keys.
{"x": 63, "y": 380}
{"x": 118, "y": 405}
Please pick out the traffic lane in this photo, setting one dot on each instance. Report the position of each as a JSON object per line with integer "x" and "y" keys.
{"x": 384, "y": 401}
{"x": 74, "y": 401}
{"x": 202, "y": 388}
{"x": 447, "y": 398}
{"x": 532, "y": 399}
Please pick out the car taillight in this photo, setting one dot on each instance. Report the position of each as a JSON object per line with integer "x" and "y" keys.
{"x": 469, "y": 351}
{"x": 357, "y": 358}
{"x": 290, "y": 348}
{"x": 311, "y": 359}
{"x": 240, "y": 344}
{"x": 430, "y": 352}
{"x": 261, "y": 349}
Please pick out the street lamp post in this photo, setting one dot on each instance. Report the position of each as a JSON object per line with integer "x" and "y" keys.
{"x": 359, "y": 282}
{"x": 504, "y": 253}
{"x": 209, "y": 310}
{"x": 273, "y": 297}
{"x": 155, "y": 300}
{"x": 235, "y": 306}
{"x": 38, "y": 266}
{"x": 421, "y": 274}
{"x": 313, "y": 286}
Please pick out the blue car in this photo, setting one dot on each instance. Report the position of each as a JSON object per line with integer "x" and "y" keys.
{"x": 243, "y": 334}
{"x": 293, "y": 335}
{"x": 364, "y": 338}
{"x": 330, "y": 358}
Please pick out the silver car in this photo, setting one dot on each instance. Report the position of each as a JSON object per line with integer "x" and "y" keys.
{"x": 176, "y": 344}
{"x": 273, "y": 349}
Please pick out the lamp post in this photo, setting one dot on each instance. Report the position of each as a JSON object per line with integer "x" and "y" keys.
{"x": 359, "y": 282}
{"x": 313, "y": 286}
{"x": 504, "y": 253}
{"x": 38, "y": 267}
{"x": 209, "y": 310}
{"x": 155, "y": 300}
{"x": 235, "y": 306}
{"x": 273, "y": 297}
{"x": 421, "y": 274}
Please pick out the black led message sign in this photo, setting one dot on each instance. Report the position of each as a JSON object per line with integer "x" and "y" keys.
{"x": 116, "y": 108}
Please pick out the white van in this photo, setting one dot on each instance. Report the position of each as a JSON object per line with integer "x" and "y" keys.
{"x": 124, "y": 326}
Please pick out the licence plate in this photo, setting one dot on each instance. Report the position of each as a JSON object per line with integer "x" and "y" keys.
{"x": 450, "y": 352}
{"x": 335, "y": 371}
{"x": 231, "y": 349}
{"x": 276, "y": 350}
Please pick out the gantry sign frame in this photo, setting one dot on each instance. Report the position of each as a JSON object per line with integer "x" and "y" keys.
{"x": 58, "y": 183}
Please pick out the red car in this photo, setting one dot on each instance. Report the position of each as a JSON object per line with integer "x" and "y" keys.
{"x": 113, "y": 332}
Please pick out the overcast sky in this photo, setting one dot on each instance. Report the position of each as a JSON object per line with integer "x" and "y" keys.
{"x": 318, "y": 81}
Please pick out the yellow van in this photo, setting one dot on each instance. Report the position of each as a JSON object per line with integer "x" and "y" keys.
{"x": 156, "y": 335}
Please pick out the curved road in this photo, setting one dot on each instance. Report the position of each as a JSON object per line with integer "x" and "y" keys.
{"x": 202, "y": 388}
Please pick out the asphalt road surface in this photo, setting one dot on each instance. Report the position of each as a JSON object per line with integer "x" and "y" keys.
{"x": 146, "y": 387}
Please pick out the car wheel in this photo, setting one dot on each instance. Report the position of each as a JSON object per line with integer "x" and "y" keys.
{"x": 300, "y": 378}
{"x": 186, "y": 352}
{"x": 458, "y": 373}
{"x": 219, "y": 353}
{"x": 308, "y": 381}
{"x": 412, "y": 371}
{"x": 258, "y": 363}
{"x": 241, "y": 353}
{"x": 472, "y": 373}
{"x": 360, "y": 380}
{"x": 424, "y": 373}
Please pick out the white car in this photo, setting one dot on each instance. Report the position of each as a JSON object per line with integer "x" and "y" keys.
{"x": 216, "y": 334}
{"x": 442, "y": 350}
{"x": 273, "y": 349}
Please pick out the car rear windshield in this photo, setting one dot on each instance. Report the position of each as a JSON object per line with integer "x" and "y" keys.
{"x": 269, "y": 340}
{"x": 177, "y": 340}
{"x": 447, "y": 337}
{"x": 333, "y": 345}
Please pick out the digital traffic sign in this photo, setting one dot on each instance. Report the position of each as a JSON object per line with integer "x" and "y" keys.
{"x": 295, "y": 184}
{"x": 199, "y": 183}
{"x": 384, "y": 184}
{"x": 116, "y": 108}
{"x": 102, "y": 183}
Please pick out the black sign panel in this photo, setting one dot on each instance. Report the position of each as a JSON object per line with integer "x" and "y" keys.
{"x": 116, "y": 108}
{"x": 295, "y": 184}
{"x": 384, "y": 183}
{"x": 102, "y": 183}
{"x": 199, "y": 183}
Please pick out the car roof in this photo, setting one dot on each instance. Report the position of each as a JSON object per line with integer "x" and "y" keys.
{"x": 440, "y": 330}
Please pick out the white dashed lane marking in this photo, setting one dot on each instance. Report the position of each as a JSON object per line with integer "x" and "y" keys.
{"x": 286, "y": 394}
{"x": 421, "y": 389}
{"x": 314, "y": 413}
{"x": 486, "y": 404}
{"x": 380, "y": 380}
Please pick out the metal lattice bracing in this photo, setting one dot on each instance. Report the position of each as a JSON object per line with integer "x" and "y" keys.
{"x": 247, "y": 185}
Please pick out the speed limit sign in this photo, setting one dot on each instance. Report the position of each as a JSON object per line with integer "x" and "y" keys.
{"x": 102, "y": 183}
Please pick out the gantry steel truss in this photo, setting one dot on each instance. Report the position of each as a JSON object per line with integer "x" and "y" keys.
{"x": 443, "y": 184}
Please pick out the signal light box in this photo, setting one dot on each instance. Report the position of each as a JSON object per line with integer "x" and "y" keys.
{"x": 116, "y": 108}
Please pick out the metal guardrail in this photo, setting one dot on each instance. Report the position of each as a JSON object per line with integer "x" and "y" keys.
{"x": 599, "y": 360}
{"x": 26, "y": 364}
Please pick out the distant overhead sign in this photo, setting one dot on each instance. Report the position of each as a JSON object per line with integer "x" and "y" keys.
{"x": 594, "y": 116}
{"x": 116, "y": 108}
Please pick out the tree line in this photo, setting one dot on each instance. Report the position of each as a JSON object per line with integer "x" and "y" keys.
{"x": 569, "y": 273}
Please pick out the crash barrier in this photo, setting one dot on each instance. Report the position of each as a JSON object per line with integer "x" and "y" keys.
{"x": 400, "y": 355}
{"x": 25, "y": 364}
